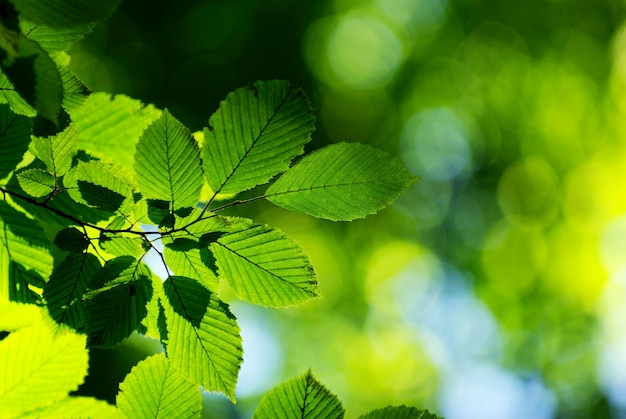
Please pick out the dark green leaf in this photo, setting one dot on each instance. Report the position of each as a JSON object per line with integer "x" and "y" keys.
{"x": 341, "y": 182}
{"x": 14, "y": 139}
{"x": 65, "y": 13}
{"x": 35, "y": 77}
{"x": 55, "y": 39}
{"x": 71, "y": 240}
{"x": 100, "y": 197}
{"x": 116, "y": 301}
{"x": 69, "y": 280}
{"x": 24, "y": 242}
{"x": 302, "y": 398}
{"x": 20, "y": 281}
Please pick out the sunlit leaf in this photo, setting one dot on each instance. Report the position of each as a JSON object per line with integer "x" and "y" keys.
{"x": 56, "y": 151}
{"x": 34, "y": 76}
{"x": 192, "y": 263}
{"x": 74, "y": 407}
{"x": 24, "y": 241}
{"x": 341, "y": 182}
{"x": 55, "y": 39}
{"x": 9, "y": 95}
{"x": 69, "y": 280}
{"x": 39, "y": 367}
{"x": 264, "y": 266}
{"x": 255, "y": 134}
{"x": 399, "y": 412}
{"x": 303, "y": 398}
{"x": 14, "y": 316}
{"x": 36, "y": 182}
{"x": 14, "y": 139}
{"x": 203, "y": 337}
{"x": 65, "y": 13}
{"x": 109, "y": 126}
{"x": 167, "y": 163}
{"x": 155, "y": 389}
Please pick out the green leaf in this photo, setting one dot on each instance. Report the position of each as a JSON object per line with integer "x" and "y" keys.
{"x": 155, "y": 389}
{"x": 167, "y": 163}
{"x": 203, "y": 337}
{"x": 117, "y": 245}
{"x": 255, "y": 134}
{"x": 192, "y": 263}
{"x": 301, "y": 398}
{"x": 39, "y": 367}
{"x": 56, "y": 151}
{"x": 55, "y": 39}
{"x": 75, "y": 92}
{"x": 399, "y": 412}
{"x": 109, "y": 126}
{"x": 14, "y": 316}
{"x": 36, "y": 182}
{"x": 341, "y": 182}
{"x": 65, "y": 13}
{"x": 264, "y": 266}
{"x": 68, "y": 282}
{"x": 14, "y": 139}
{"x": 22, "y": 283}
{"x": 34, "y": 76}
{"x": 9, "y": 95}
{"x": 116, "y": 301}
{"x": 24, "y": 242}
{"x": 100, "y": 185}
{"x": 100, "y": 197}
{"x": 84, "y": 407}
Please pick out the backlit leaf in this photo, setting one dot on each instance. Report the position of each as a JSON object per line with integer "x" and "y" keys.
{"x": 167, "y": 163}
{"x": 301, "y": 398}
{"x": 255, "y": 134}
{"x": 155, "y": 389}
{"x": 56, "y": 151}
{"x": 341, "y": 182}
{"x": 36, "y": 182}
{"x": 39, "y": 367}
{"x": 203, "y": 337}
{"x": 65, "y": 13}
{"x": 110, "y": 126}
{"x": 399, "y": 412}
{"x": 264, "y": 266}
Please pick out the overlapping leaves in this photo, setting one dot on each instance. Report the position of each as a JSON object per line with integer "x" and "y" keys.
{"x": 117, "y": 166}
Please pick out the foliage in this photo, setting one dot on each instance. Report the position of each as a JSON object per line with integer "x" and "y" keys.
{"x": 87, "y": 174}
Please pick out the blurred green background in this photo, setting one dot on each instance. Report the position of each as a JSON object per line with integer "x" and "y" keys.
{"x": 496, "y": 286}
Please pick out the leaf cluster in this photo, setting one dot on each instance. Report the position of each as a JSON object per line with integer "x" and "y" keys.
{"x": 92, "y": 183}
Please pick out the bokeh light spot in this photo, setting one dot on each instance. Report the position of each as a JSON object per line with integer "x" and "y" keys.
{"x": 357, "y": 50}
{"x": 435, "y": 145}
{"x": 528, "y": 191}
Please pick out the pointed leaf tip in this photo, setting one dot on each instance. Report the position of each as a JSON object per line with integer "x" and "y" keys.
{"x": 303, "y": 397}
{"x": 254, "y": 135}
{"x": 341, "y": 182}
